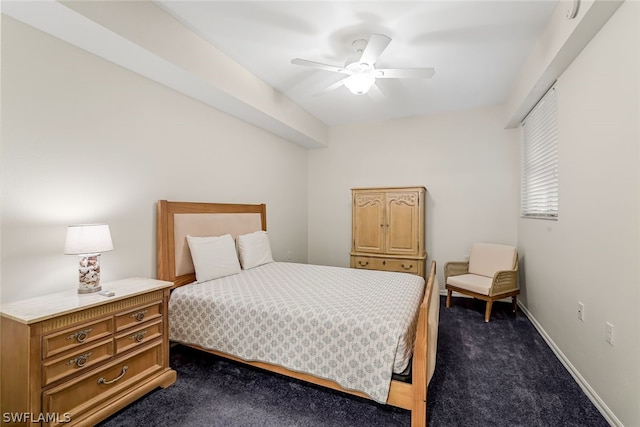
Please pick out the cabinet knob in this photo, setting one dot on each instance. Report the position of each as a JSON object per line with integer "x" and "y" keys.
{"x": 138, "y": 337}
{"x": 139, "y": 315}
{"x": 80, "y": 336}
{"x": 80, "y": 360}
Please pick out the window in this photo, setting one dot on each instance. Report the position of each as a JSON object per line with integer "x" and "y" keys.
{"x": 539, "y": 191}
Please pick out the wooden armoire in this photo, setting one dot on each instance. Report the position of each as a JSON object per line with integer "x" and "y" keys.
{"x": 388, "y": 229}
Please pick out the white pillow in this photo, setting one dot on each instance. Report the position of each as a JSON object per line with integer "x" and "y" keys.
{"x": 254, "y": 249}
{"x": 213, "y": 257}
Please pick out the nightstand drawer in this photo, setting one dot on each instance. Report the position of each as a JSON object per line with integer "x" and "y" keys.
{"x": 83, "y": 359}
{"x": 138, "y": 336}
{"x": 139, "y": 315}
{"x": 79, "y": 395}
{"x": 77, "y": 336}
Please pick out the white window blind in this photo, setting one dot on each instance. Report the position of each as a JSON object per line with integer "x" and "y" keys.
{"x": 539, "y": 191}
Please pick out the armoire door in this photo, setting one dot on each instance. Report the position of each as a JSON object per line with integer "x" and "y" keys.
{"x": 402, "y": 223}
{"x": 369, "y": 222}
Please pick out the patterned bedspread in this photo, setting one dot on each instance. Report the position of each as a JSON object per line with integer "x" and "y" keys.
{"x": 351, "y": 326}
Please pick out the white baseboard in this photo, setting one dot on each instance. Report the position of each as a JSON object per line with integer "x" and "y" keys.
{"x": 584, "y": 385}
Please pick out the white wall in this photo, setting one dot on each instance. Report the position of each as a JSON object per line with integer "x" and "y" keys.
{"x": 592, "y": 253}
{"x": 466, "y": 160}
{"x": 87, "y": 141}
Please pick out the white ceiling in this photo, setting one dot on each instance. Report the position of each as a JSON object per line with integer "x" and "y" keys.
{"x": 476, "y": 47}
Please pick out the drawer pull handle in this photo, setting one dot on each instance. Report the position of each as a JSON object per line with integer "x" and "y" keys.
{"x": 407, "y": 268}
{"x": 138, "y": 337}
{"x": 81, "y": 360}
{"x": 363, "y": 264}
{"x": 103, "y": 381}
{"x": 139, "y": 315}
{"x": 80, "y": 336}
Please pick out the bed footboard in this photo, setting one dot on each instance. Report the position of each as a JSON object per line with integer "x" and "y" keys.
{"x": 413, "y": 396}
{"x": 424, "y": 352}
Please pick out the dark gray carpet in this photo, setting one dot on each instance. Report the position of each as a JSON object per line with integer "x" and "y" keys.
{"x": 500, "y": 373}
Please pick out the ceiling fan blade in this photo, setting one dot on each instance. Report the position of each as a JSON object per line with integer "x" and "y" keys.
{"x": 334, "y": 86}
{"x": 376, "y": 44}
{"x": 405, "y": 73}
{"x": 326, "y": 67}
{"x": 375, "y": 93}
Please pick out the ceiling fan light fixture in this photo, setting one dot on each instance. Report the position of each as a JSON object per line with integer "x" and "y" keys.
{"x": 361, "y": 79}
{"x": 360, "y": 83}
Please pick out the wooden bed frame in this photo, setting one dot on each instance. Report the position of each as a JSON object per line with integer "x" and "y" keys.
{"x": 171, "y": 241}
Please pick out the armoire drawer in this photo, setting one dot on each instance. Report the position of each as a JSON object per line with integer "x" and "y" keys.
{"x": 386, "y": 264}
{"x": 402, "y": 265}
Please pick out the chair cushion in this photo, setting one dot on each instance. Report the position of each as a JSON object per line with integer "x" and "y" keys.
{"x": 471, "y": 282}
{"x": 486, "y": 259}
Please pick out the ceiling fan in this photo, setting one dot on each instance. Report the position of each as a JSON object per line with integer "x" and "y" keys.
{"x": 359, "y": 69}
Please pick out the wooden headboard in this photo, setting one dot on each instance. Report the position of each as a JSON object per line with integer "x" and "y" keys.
{"x": 176, "y": 220}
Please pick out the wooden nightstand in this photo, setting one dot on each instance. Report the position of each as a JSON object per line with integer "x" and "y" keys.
{"x": 74, "y": 359}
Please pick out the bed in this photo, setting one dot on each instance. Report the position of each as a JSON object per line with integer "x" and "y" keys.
{"x": 391, "y": 334}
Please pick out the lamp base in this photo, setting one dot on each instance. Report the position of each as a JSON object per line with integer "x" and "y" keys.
{"x": 89, "y": 274}
{"x": 89, "y": 291}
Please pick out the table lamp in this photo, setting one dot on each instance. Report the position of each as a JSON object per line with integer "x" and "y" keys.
{"x": 88, "y": 241}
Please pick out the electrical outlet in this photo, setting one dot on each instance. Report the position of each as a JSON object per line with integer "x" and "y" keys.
{"x": 580, "y": 311}
{"x": 608, "y": 331}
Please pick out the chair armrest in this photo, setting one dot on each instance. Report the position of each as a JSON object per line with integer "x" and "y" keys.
{"x": 504, "y": 281}
{"x": 455, "y": 268}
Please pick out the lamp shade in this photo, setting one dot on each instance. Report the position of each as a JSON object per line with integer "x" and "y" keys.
{"x": 88, "y": 239}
